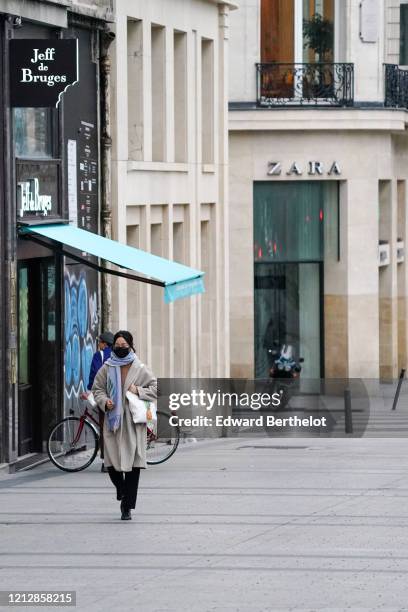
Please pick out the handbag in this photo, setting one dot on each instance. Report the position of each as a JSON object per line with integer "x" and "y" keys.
{"x": 141, "y": 410}
{"x": 91, "y": 401}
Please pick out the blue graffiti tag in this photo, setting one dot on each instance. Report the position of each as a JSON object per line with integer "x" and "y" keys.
{"x": 67, "y": 318}
{"x": 74, "y": 311}
{"x": 82, "y": 308}
{"x": 68, "y": 364}
{"x": 81, "y": 328}
{"x": 76, "y": 360}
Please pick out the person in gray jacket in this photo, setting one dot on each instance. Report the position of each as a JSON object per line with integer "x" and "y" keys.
{"x": 124, "y": 441}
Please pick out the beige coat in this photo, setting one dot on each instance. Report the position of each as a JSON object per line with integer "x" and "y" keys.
{"x": 126, "y": 448}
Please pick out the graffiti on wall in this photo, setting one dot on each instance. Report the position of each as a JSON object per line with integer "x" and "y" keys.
{"x": 81, "y": 330}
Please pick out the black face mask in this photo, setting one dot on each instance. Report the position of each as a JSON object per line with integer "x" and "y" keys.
{"x": 121, "y": 351}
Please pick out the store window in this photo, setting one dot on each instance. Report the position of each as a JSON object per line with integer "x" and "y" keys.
{"x": 295, "y": 232}
{"x": 33, "y": 132}
{"x": 288, "y": 312}
{"x": 403, "y": 58}
{"x": 38, "y": 168}
{"x": 294, "y": 220}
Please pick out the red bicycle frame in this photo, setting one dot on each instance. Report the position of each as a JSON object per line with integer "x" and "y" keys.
{"x": 86, "y": 414}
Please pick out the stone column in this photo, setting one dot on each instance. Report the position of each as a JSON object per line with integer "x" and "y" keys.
{"x": 402, "y": 276}
{"x": 223, "y": 254}
{"x": 362, "y": 277}
{"x": 388, "y": 287}
{"x": 351, "y": 286}
{"x": 241, "y": 267}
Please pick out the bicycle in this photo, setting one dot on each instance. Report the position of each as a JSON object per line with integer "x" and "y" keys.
{"x": 73, "y": 442}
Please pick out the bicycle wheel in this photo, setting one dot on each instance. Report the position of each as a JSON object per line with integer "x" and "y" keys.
{"x": 72, "y": 444}
{"x": 162, "y": 439}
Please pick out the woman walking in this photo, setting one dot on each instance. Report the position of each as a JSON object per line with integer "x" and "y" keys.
{"x": 125, "y": 441}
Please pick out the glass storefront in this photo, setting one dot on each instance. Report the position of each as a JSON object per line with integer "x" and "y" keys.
{"x": 38, "y": 351}
{"x": 37, "y": 195}
{"x": 287, "y": 311}
{"x": 295, "y": 231}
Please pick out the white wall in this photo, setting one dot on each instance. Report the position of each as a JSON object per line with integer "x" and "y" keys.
{"x": 162, "y": 203}
{"x": 244, "y": 51}
{"x": 367, "y": 57}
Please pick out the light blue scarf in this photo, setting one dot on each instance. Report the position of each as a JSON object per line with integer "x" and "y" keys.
{"x": 114, "y": 388}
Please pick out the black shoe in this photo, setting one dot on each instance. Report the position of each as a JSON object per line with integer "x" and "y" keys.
{"x": 103, "y": 468}
{"x": 126, "y": 513}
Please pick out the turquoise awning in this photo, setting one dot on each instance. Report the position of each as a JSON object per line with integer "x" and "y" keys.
{"x": 178, "y": 280}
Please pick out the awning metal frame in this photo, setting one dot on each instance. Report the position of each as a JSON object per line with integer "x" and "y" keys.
{"x": 59, "y": 249}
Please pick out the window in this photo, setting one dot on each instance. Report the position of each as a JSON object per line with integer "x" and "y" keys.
{"x": 180, "y": 96}
{"x": 318, "y": 30}
{"x": 403, "y": 59}
{"x": 296, "y": 221}
{"x": 158, "y": 93}
{"x": 277, "y": 31}
{"x": 135, "y": 89}
{"x": 297, "y": 31}
{"x": 32, "y": 132}
{"x": 207, "y": 101}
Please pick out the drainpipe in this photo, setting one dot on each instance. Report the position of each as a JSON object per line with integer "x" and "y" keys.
{"x": 106, "y": 169}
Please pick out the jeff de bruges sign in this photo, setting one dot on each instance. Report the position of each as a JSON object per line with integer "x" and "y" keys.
{"x": 37, "y": 188}
{"x": 41, "y": 70}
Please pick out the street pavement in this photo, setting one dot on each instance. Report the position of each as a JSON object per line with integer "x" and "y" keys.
{"x": 225, "y": 525}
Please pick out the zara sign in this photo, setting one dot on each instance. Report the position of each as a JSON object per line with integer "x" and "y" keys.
{"x": 41, "y": 70}
{"x": 314, "y": 168}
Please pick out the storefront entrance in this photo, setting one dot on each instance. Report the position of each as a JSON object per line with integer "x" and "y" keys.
{"x": 295, "y": 232}
{"x": 39, "y": 352}
{"x": 288, "y": 311}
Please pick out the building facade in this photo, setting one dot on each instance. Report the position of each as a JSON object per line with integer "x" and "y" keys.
{"x": 318, "y": 186}
{"x": 50, "y": 307}
{"x": 169, "y": 171}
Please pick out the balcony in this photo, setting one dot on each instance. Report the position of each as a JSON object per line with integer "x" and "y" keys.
{"x": 396, "y": 86}
{"x": 318, "y": 84}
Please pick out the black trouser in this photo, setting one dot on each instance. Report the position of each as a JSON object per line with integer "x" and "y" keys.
{"x": 126, "y": 484}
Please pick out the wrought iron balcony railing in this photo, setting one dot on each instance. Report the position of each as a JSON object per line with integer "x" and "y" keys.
{"x": 396, "y": 86}
{"x": 319, "y": 84}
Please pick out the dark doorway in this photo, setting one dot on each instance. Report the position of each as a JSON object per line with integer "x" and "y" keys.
{"x": 288, "y": 300}
{"x": 39, "y": 342}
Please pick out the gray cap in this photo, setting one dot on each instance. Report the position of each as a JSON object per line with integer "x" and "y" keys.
{"x": 106, "y": 337}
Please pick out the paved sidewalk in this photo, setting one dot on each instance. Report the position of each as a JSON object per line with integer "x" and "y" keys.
{"x": 226, "y": 525}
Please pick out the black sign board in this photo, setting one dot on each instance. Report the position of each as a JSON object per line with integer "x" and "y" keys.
{"x": 37, "y": 189}
{"x": 41, "y": 70}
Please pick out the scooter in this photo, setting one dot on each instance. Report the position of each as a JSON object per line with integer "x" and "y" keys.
{"x": 285, "y": 370}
